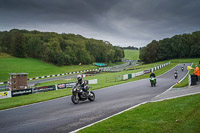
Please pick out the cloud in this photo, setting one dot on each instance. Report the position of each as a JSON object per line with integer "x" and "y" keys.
{"x": 122, "y": 22}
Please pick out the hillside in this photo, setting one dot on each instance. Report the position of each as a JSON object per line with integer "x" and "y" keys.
{"x": 34, "y": 67}
{"x": 58, "y": 49}
{"x": 131, "y": 54}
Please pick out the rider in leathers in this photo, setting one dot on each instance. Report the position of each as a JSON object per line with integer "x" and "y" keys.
{"x": 82, "y": 83}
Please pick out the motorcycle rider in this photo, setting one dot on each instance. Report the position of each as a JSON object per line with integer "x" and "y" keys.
{"x": 82, "y": 84}
{"x": 176, "y": 73}
{"x": 152, "y": 75}
{"x": 182, "y": 68}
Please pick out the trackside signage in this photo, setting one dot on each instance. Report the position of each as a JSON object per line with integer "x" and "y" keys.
{"x": 146, "y": 71}
{"x": 70, "y": 85}
{"x": 5, "y": 94}
{"x": 21, "y": 92}
{"x": 61, "y": 86}
{"x": 44, "y": 88}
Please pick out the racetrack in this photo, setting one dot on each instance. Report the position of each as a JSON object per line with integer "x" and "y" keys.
{"x": 61, "y": 115}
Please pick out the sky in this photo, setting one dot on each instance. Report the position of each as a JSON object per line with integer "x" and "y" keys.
{"x": 121, "y": 22}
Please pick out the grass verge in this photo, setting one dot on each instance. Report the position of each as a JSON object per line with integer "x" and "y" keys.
{"x": 34, "y": 68}
{"x": 180, "y": 115}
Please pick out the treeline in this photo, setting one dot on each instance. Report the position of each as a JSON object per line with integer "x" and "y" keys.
{"x": 179, "y": 46}
{"x": 130, "y": 47}
{"x": 59, "y": 49}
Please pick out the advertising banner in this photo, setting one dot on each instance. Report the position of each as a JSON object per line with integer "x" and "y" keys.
{"x": 93, "y": 81}
{"x": 21, "y": 92}
{"x": 44, "y": 88}
{"x": 125, "y": 77}
{"x": 69, "y": 85}
{"x": 5, "y": 94}
{"x": 146, "y": 71}
{"x": 61, "y": 86}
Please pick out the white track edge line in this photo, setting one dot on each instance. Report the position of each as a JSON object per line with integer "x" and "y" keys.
{"x": 130, "y": 107}
{"x": 175, "y": 83}
{"x": 108, "y": 117}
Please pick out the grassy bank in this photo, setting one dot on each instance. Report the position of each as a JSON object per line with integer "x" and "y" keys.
{"x": 34, "y": 68}
{"x": 131, "y": 54}
{"x": 180, "y": 115}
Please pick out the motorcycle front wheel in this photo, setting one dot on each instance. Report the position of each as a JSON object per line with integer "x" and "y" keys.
{"x": 151, "y": 84}
{"x": 91, "y": 96}
{"x": 74, "y": 99}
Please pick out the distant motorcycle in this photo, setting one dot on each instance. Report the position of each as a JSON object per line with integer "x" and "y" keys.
{"x": 79, "y": 95}
{"x": 182, "y": 68}
{"x": 152, "y": 81}
{"x": 175, "y": 75}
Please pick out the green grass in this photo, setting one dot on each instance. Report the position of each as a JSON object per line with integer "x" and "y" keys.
{"x": 180, "y": 115}
{"x": 32, "y": 98}
{"x": 131, "y": 54}
{"x": 35, "y": 68}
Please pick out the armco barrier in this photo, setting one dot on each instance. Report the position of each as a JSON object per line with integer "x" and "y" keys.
{"x": 133, "y": 75}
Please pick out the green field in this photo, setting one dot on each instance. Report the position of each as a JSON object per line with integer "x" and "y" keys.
{"x": 131, "y": 54}
{"x": 35, "y": 68}
{"x": 180, "y": 115}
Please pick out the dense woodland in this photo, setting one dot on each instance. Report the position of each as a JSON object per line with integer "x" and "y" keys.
{"x": 179, "y": 46}
{"x": 130, "y": 47}
{"x": 59, "y": 49}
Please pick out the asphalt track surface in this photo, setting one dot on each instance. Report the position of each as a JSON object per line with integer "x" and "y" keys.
{"x": 61, "y": 115}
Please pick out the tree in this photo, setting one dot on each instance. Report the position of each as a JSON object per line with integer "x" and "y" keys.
{"x": 18, "y": 46}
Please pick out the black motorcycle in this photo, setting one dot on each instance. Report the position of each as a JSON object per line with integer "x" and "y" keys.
{"x": 79, "y": 95}
{"x": 175, "y": 75}
{"x": 182, "y": 68}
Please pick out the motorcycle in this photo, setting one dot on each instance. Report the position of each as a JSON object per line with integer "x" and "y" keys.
{"x": 182, "y": 68}
{"x": 175, "y": 75}
{"x": 79, "y": 95}
{"x": 152, "y": 81}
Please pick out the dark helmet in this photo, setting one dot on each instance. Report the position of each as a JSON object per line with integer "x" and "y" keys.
{"x": 79, "y": 77}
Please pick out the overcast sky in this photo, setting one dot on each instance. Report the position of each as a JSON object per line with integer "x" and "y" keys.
{"x": 121, "y": 22}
